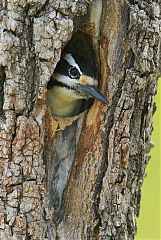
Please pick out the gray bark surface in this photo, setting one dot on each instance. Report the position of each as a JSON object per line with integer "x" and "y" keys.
{"x": 78, "y": 178}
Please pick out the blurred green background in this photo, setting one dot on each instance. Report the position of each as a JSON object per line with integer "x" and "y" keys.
{"x": 149, "y": 221}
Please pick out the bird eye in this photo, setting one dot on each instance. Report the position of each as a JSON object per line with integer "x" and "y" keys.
{"x": 73, "y": 72}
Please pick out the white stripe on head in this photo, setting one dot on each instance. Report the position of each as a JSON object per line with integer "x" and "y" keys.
{"x": 65, "y": 79}
{"x": 68, "y": 57}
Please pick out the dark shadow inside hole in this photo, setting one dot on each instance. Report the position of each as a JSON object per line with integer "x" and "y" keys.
{"x": 81, "y": 44}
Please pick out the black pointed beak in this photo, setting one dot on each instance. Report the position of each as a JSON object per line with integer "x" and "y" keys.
{"x": 95, "y": 93}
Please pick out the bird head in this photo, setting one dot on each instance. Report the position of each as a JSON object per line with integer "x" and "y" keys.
{"x": 75, "y": 74}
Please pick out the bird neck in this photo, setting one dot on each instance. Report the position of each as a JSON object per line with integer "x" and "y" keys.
{"x": 63, "y": 102}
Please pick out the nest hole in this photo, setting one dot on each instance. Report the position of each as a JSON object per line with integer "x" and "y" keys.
{"x": 81, "y": 44}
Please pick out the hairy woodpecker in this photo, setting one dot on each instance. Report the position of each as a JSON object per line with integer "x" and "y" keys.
{"x": 72, "y": 82}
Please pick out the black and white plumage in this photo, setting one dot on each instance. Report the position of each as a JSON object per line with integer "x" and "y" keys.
{"x": 73, "y": 81}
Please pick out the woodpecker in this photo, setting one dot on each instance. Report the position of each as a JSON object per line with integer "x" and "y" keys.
{"x": 73, "y": 82}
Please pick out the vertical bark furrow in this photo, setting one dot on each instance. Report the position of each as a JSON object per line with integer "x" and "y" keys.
{"x": 2, "y": 81}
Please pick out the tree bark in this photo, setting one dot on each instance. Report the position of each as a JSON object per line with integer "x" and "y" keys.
{"x": 80, "y": 177}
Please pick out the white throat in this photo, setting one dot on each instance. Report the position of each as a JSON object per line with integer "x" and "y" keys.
{"x": 63, "y": 102}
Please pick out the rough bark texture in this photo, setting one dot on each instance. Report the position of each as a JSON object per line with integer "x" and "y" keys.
{"x": 78, "y": 178}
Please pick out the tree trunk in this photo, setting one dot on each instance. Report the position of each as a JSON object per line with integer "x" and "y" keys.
{"x": 80, "y": 177}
